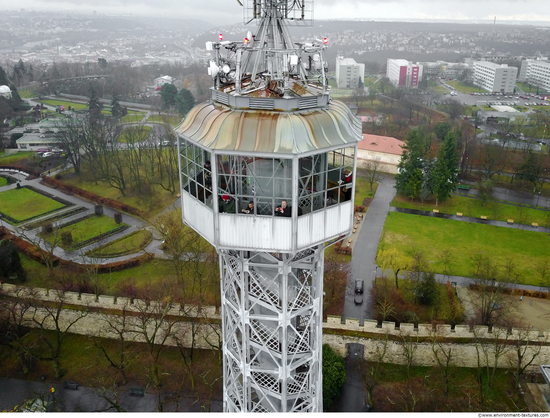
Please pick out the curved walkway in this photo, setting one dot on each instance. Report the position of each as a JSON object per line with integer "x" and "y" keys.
{"x": 78, "y": 256}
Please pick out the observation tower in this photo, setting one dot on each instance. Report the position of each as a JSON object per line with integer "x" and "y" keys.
{"x": 267, "y": 169}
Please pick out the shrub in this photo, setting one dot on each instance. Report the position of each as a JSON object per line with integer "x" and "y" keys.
{"x": 67, "y": 238}
{"x": 98, "y": 210}
{"x": 18, "y": 185}
{"x": 334, "y": 376}
{"x": 47, "y": 229}
{"x": 58, "y": 176}
{"x": 118, "y": 217}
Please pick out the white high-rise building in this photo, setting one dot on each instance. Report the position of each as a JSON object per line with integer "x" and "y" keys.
{"x": 495, "y": 77}
{"x": 403, "y": 73}
{"x": 536, "y": 73}
{"x": 348, "y": 73}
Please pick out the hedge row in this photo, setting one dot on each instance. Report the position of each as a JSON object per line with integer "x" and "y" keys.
{"x": 99, "y": 237}
{"x": 358, "y": 208}
{"x": 115, "y": 204}
{"x": 51, "y": 219}
{"x": 342, "y": 250}
{"x": 519, "y": 292}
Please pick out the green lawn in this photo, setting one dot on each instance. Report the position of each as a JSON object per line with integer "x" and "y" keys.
{"x": 135, "y": 134}
{"x": 88, "y": 228}
{"x": 132, "y": 118}
{"x": 489, "y": 108}
{"x": 436, "y": 87}
{"x": 15, "y": 158}
{"x": 470, "y": 110}
{"x": 162, "y": 198}
{"x": 369, "y": 80}
{"x": 129, "y": 244}
{"x": 3, "y": 181}
{"x": 74, "y": 105}
{"x": 362, "y": 190}
{"x": 21, "y": 204}
{"x": 530, "y": 89}
{"x": 463, "y": 87}
{"x": 411, "y": 233}
{"x": 171, "y": 119}
{"x": 474, "y": 208}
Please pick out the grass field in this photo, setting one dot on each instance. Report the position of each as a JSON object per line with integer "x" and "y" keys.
{"x": 411, "y": 233}
{"x": 15, "y": 158}
{"x": 21, "y": 204}
{"x": 489, "y": 108}
{"x": 474, "y": 208}
{"x": 134, "y": 134}
{"x": 129, "y": 244}
{"x": 171, "y": 119}
{"x": 74, "y": 105}
{"x": 530, "y": 89}
{"x": 86, "y": 229}
{"x": 436, "y": 87}
{"x": 362, "y": 190}
{"x": 3, "y": 181}
{"x": 82, "y": 361}
{"x": 521, "y": 108}
{"x": 161, "y": 198}
{"x": 470, "y": 110}
{"x": 462, "y": 87}
{"x": 132, "y": 118}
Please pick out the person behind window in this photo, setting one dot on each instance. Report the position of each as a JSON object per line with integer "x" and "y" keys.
{"x": 207, "y": 174}
{"x": 283, "y": 210}
{"x": 249, "y": 210}
{"x": 227, "y": 204}
{"x": 348, "y": 180}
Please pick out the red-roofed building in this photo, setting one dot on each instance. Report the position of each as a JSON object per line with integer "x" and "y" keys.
{"x": 385, "y": 150}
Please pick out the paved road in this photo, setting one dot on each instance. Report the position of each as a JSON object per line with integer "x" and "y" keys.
{"x": 353, "y": 395}
{"x": 85, "y": 399}
{"x": 362, "y": 262}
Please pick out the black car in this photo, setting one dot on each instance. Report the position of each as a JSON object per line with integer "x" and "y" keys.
{"x": 359, "y": 286}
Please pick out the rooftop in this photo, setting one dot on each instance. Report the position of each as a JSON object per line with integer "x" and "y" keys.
{"x": 385, "y": 144}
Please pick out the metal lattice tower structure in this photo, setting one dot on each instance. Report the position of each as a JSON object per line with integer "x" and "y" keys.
{"x": 266, "y": 172}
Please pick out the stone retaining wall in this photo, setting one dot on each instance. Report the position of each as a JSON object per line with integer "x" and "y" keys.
{"x": 469, "y": 347}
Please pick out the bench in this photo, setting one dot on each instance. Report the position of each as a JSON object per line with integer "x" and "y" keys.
{"x": 463, "y": 187}
{"x": 459, "y": 214}
{"x": 137, "y": 392}
{"x": 436, "y": 210}
{"x": 509, "y": 221}
{"x": 484, "y": 217}
{"x": 535, "y": 225}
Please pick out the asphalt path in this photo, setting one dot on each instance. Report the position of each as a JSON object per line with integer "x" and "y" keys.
{"x": 363, "y": 264}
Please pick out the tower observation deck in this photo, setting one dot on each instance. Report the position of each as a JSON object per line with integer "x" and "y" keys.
{"x": 267, "y": 170}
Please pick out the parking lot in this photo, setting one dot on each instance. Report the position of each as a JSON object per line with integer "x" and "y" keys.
{"x": 486, "y": 98}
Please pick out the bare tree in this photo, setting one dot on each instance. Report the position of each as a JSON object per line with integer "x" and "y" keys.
{"x": 372, "y": 170}
{"x": 443, "y": 354}
{"x": 154, "y": 326}
{"x": 492, "y": 299}
{"x": 13, "y": 311}
{"x": 543, "y": 269}
{"x": 118, "y": 327}
{"x": 371, "y": 372}
{"x": 56, "y": 317}
{"x": 527, "y": 349}
{"x": 409, "y": 346}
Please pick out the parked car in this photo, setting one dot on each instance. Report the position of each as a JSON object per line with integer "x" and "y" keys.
{"x": 359, "y": 288}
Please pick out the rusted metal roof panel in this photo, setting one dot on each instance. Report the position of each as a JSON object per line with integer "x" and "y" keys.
{"x": 220, "y": 128}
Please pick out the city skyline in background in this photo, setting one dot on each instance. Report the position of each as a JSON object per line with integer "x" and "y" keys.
{"x": 229, "y": 11}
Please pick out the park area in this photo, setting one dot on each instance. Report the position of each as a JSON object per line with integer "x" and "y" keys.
{"x": 23, "y": 204}
{"x": 475, "y": 208}
{"x": 462, "y": 240}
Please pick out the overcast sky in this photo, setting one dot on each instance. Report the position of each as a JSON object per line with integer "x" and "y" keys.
{"x": 218, "y": 11}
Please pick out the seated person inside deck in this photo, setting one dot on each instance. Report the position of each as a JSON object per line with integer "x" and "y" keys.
{"x": 249, "y": 210}
{"x": 226, "y": 204}
{"x": 283, "y": 210}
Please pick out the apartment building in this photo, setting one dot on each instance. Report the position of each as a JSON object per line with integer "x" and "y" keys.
{"x": 495, "y": 77}
{"x": 536, "y": 73}
{"x": 348, "y": 73}
{"x": 403, "y": 73}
